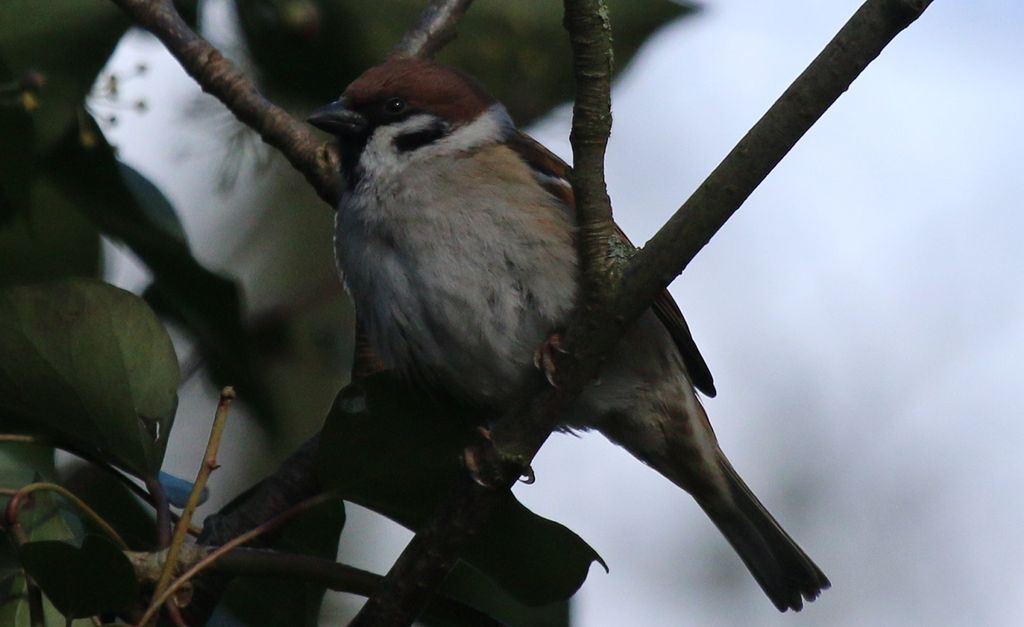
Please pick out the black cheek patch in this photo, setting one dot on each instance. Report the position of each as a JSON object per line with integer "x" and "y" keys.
{"x": 420, "y": 138}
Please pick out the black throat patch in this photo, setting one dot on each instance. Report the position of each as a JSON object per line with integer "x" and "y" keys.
{"x": 351, "y": 148}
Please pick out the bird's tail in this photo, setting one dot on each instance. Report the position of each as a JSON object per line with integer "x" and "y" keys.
{"x": 779, "y": 565}
{"x": 682, "y": 446}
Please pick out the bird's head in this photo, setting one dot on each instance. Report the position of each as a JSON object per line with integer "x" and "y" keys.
{"x": 405, "y": 108}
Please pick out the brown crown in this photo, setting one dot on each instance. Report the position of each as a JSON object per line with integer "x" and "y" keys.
{"x": 428, "y": 86}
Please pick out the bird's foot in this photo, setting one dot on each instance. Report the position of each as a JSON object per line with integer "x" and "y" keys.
{"x": 544, "y": 357}
{"x": 484, "y": 466}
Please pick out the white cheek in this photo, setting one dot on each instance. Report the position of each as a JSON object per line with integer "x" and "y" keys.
{"x": 381, "y": 160}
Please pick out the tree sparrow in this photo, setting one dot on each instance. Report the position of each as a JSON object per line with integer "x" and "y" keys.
{"x": 455, "y": 237}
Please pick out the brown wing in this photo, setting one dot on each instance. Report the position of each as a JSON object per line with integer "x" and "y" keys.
{"x": 553, "y": 175}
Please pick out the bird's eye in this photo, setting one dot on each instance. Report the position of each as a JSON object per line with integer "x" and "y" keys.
{"x": 394, "y": 105}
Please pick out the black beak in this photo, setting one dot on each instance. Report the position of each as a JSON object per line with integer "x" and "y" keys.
{"x": 337, "y": 119}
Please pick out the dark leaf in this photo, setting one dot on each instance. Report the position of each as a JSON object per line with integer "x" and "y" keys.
{"x": 260, "y": 601}
{"x": 126, "y": 206}
{"x": 155, "y": 208}
{"x": 468, "y": 585}
{"x": 66, "y": 43}
{"x": 395, "y": 451}
{"x": 43, "y": 516}
{"x": 22, "y": 463}
{"x": 81, "y": 581}
{"x": 51, "y": 240}
{"x": 132, "y": 518}
{"x": 15, "y": 149}
{"x": 88, "y": 364}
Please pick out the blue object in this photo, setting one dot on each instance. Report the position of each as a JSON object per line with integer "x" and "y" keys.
{"x": 178, "y": 490}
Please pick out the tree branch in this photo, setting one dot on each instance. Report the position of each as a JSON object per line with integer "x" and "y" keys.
{"x": 590, "y": 338}
{"x": 435, "y": 29}
{"x": 520, "y": 434}
{"x": 857, "y": 44}
{"x": 218, "y": 76}
{"x": 295, "y": 480}
{"x": 316, "y": 160}
{"x": 590, "y": 33}
{"x": 338, "y": 577}
{"x": 434, "y": 550}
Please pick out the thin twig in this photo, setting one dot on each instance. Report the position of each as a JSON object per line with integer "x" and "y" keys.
{"x": 863, "y": 37}
{"x": 521, "y": 432}
{"x": 871, "y": 28}
{"x": 434, "y": 30}
{"x": 856, "y": 45}
{"x": 123, "y": 478}
{"x": 270, "y": 525}
{"x": 227, "y": 395}
{"x": 340, "y": 578}
{"x": 294, "y": 481}
{"x": 218, "y": 76}
{"x": 163, "y": 511}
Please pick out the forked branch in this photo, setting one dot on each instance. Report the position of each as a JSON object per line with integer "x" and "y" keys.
{"x": 520, "y": 434}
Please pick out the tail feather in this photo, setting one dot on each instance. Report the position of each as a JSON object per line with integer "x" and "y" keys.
{"x": 779, "y": 565}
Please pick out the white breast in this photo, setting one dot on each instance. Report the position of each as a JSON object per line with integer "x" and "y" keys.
{"x": 463, "y": 287}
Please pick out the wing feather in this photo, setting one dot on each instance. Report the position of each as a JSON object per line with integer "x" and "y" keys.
{"x": 553, "y": 174}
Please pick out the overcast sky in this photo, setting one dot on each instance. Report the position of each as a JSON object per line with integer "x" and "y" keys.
{"x": 863, "y": 315}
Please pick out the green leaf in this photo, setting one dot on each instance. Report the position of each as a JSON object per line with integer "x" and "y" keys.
{"x": 82, "y": 581}
{"x": 261, "y": 601}
{"x": 22, "y": 463}
{"x": 67, "y": 42}
{"x": 114, "y": 502}
{"x": 16, "y": 148}
{"x": 155, "y": 209}
{"x": 390, "y": 448}
{"x": 126, "y": 206}
{"x": 43, "y": 517}
{"x": 88, "y": 364}
{"x": 52, "y": 240}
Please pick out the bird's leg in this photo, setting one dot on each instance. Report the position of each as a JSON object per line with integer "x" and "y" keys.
{"x": 544, "y": 357}
{"x": 484, "y": 466}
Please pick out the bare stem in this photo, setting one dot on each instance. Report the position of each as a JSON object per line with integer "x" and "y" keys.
{"x": 163, "y": 511}
{"x": 227, "y": 395}
{"x": 831, "y": 73}
{"x": 213, "y": 556}
{"x": 338, "y": 577}
{"x": 430, "y": 555}
{"x": 434, "y": 30}
{"x": 218, "y": 76}
{"x": 519, "y": 435}
{"x": 14, "y": 505}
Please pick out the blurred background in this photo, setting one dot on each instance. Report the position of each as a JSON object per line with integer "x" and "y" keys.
{"x": 862, "y": 314}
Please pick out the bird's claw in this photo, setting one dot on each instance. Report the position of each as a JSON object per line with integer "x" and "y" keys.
{"x": 483, "y": 471}
{"x": 472, "y": 457}
{"x": 544, "y": 357}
